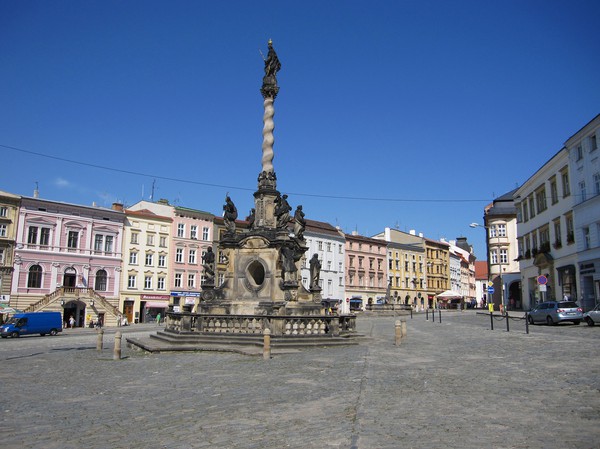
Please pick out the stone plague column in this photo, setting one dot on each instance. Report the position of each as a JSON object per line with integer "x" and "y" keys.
{"x": 267, "y": 180}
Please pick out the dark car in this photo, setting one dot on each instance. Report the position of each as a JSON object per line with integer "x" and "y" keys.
{"x": 554, "y": 312}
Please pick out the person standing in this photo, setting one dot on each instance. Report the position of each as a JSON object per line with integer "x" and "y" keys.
{"x": 158, "y": 317}
{"x": 72, "y": 322}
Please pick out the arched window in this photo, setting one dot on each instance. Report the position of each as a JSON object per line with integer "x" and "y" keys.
{"x": 34, "y": 280}
{"x": 101, "y": 277}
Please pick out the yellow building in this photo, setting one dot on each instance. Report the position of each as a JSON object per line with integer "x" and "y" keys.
{"x": 9, "y": 213}
{"x": 438, "y": 272}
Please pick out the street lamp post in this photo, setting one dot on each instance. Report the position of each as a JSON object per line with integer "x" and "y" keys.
{"x": 502, "y": 296}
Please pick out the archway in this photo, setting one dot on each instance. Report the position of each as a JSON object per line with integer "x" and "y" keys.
{"x": 75, "y": 309}
{"x": 515, "y": 302}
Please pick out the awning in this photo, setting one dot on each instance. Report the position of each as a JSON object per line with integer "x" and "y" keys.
{"x": 156, "y": 304}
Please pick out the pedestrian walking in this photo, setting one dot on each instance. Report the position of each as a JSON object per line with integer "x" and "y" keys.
{"x": 72, "y": 322}
{"x": 158, "y": 318}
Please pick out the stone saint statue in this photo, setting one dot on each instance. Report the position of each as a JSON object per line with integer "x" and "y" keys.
{"x": 288, "y": 264}
{"x": 230, "y": 214}
{"x": 315, "y": 271}
{"x": 251, "y": 218}
{"x": 282, "y": 211}
{"x": 299, "y": 223}
{"x": 208, "y": 263}
{"x": 272, "y": 64}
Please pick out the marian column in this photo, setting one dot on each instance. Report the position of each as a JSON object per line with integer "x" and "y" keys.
{"x": 267, "y": 180}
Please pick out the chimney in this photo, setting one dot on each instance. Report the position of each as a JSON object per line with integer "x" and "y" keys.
{"x": 117, "y": 206}
{"x": 412, "y": 232}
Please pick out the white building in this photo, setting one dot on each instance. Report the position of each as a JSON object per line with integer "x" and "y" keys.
{"x": 584, "y": 164}
{"x": 329, "y": 244}
{"x": 545, "y": 233}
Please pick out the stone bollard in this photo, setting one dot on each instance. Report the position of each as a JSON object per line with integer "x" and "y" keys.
{"x": 398, "y": 327}
{"x": 117, "y": 351}
{"x": 99, "y": 340}
{"x": 267, "y": 344}
{"x": 403, "y": 324}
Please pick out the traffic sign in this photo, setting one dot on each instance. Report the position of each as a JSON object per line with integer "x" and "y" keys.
{"x": 490, "y": 284}
{"x": 542, "y": 280}
{"x": 491, "y": 290}
{"x": 542, "y": 287}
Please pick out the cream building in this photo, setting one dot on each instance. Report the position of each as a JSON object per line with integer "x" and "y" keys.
{"x": 9, "y": 214}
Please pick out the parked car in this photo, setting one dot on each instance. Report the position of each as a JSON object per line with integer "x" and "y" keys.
{"x": 593, "y": 316}
{"x": 554, "y": 312}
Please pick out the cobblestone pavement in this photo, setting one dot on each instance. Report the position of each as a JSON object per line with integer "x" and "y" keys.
{"x": 454, "y": 384}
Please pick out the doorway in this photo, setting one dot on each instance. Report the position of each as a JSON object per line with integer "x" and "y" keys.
{"x": 70, "y": 278}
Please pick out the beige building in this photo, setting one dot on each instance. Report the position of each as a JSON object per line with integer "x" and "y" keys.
{"x": 438, "y": 269}
{"x": 145, "y": 264}
{"x": 9, "y": 213}
{"x": 406, "y": 266}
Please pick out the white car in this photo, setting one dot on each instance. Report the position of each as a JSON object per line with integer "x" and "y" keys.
{"x": 593, "y": 316}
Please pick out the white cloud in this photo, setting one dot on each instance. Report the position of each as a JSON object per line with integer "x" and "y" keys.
{"x": 63, "y": 183}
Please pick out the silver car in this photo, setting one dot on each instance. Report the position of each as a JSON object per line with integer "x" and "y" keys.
{"x": 554, "y": 312}
{"x": 593, "y": 316}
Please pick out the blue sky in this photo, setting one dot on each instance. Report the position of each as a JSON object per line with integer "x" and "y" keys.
{"x": 408, "y": 114}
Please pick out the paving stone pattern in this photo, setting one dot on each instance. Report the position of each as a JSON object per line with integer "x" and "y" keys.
{"x": 454, "y": 384}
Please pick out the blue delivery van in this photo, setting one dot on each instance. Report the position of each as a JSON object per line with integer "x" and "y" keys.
{"x": 32, "y": 323}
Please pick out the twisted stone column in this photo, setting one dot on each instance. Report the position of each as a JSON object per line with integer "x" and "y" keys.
{"x": 268, "y": 139}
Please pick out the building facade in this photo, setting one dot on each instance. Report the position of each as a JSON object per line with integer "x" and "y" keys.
{"x": 500, "y": 222}
{"x": 545, "y": 234}
{"x": 406, "y": 266}
{"x": 438, "y": 270}
{"x": 9, "y": 214}
{"x": 329, "y": 244}
{"x": 584, "y": 166}
{"x": 145, "y": 284}
{"x": 366, "y": 270}
{"x": 68, "y": 258}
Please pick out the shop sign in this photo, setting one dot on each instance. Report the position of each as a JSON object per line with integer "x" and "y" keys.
{"x": 158, "y": 297}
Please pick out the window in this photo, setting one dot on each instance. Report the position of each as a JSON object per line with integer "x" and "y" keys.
{"x": 193, "y": 232}
{"x": 101, "y": 278}
{"x": 494, "y": 257}
{"x": 329, "y": 265}
{"x": 553, "y": 190}
{"x": 493, "y": 232}
{"x": 162, "y": 260}
{"x": 192, "y": 257}
{"x": 162, "y": 241}
{"x": 160, "y": 284}
{"x": 180, "y": 230}
{"x": 569, "y": 226}
{"x": 3, "y": 211}
{"x": 32, "y": 235}
{"x": 328, "y": 246}
{"x": 177, "y": 279}
{"x": 579, "y": 153}
{"x": 340, "y": 251}
{"x": 108, "y": 244}
{"x": 582, "y": 191}
{"x": 133, "y": 258}
{"x": 320, "y": 245}
{"x": 597, "y": 184}
{"x": 34, "y": 279}
{"x": 205, "y": 234}
{"x": 150, "y": 240}
{"x": 135, "y": 238}
{"x": 149, "y": 259}
{"x": 179, "y": 255}
{"x": 2, "y": 230}
{"x": 525, "y": 211}
{"x": 72, "y": 239}
{"x": 540, "y": 199}
{"x": 191, "y": 280}
{"x": 503, "y": 255}
{"x": 341, "y": 284}
{"x": 98, "y": 242}
{"x": 44, "y": 236}
{"x": 131, "y": 281}
{"x": 147, "y": 282}
{"x": 593, "y": 143}
{"x": 557, "y": 234}
{"x": 565, "y": 183}
{"x": 586, "y": 237}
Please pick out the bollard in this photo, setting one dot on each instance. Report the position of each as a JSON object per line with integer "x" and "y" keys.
{"x": 411, "y": 313}
{"x": 440, "y": 314}
{"x": 427, "y": 314}
{"x": 99, "y": 342}
{"x": 267, "y": 344}
{"x": 492, "y": 320}
{"x": 117, "y": 350}
{"x": 403, "y": 325}
{"x": 398, "y": 328}
{"x": 506, "y": 317}
{"x": 526, "y": 323}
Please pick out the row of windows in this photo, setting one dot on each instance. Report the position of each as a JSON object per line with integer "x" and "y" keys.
{"x": 360, "y": 247}
{"x": 407, "y": 265}
{"x": 193, "y": 232}
{"x": 540, "y": 240}
{"x": 361, "y": 280}
{"x": 34, "y": 278}
{"x": 160, "y": 281}
{"x": 536, "y": 202}
{"x": 150, "y": 239}
{"x": 361, "y": 260}
{"x": 41, "y": 236}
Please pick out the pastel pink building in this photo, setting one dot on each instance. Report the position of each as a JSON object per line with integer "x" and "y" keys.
{"x": 68, "y": 258}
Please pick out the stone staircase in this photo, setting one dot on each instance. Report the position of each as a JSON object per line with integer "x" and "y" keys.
{"x": 166, "y": 340}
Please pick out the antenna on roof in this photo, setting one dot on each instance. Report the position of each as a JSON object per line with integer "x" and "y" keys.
{"x": 152, "y": 192}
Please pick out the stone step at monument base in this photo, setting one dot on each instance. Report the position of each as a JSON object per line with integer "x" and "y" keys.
{"x": 164, "y": 341}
